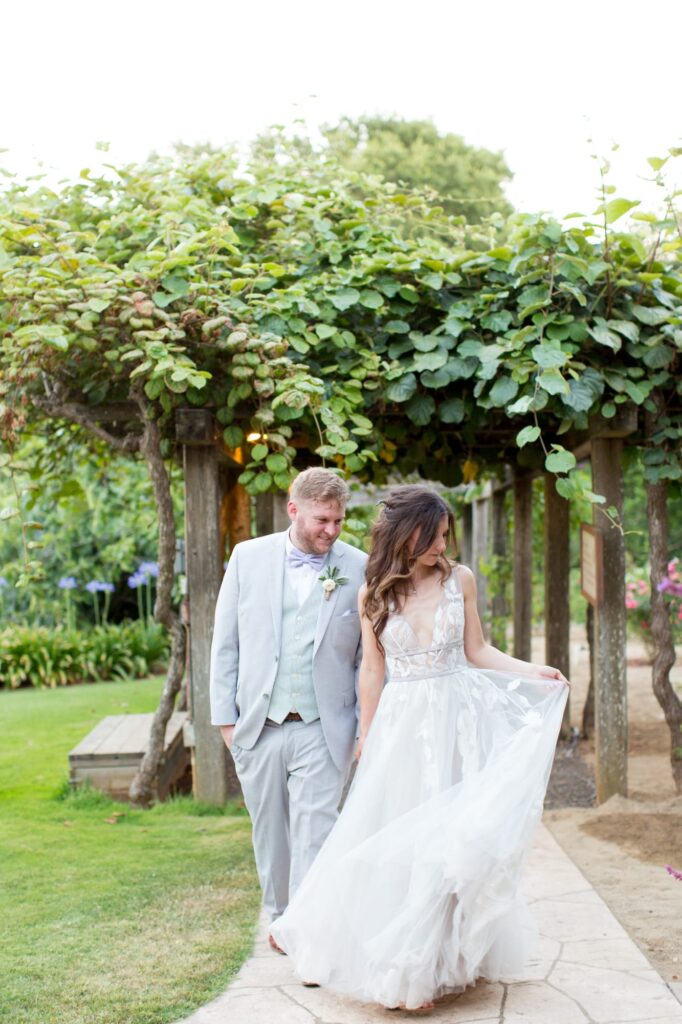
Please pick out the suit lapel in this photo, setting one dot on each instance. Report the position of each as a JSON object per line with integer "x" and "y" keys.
{"x": 327, "y": 606}
{"x": 274, "y": 582}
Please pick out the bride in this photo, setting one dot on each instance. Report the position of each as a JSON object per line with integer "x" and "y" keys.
{"x": 415, "y": 893}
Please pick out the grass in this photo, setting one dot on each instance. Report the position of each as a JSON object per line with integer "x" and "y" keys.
{"x": 110, "y": 915}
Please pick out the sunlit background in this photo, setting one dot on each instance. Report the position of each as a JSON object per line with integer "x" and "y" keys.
{"x": 536, "y": 80}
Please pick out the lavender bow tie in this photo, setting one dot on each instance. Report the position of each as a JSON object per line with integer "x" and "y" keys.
{"x": 298, "y": 558}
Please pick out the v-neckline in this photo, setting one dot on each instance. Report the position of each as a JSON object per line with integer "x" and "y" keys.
{"x": 435, "y": 620}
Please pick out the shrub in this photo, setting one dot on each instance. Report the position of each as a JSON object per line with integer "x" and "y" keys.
{"x": 32, "y": 656}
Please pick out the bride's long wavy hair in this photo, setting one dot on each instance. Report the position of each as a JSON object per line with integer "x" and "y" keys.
{"x": 390, "y": 562}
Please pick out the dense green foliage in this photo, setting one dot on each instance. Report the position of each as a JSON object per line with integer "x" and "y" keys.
{"x": 36, "y": 656}
{"x": 98, "y": 522}
{"x": 110, "y": 914}
{"x": 334, "y": 314}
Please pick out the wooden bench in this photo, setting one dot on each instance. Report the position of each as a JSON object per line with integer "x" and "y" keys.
{"x": 110, "y": 755}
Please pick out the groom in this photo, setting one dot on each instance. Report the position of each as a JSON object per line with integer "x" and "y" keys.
{"x": 285, "y": 651}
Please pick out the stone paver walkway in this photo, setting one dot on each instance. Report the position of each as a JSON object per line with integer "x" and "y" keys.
{"x": 586, "y": 969}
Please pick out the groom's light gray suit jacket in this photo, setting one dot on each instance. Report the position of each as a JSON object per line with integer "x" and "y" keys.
{"x": 247, "y": 641}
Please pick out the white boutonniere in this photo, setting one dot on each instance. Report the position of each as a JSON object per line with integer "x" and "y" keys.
{"x": 330, "y": 580}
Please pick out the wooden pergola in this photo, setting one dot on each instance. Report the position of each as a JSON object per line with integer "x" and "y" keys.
{"x": 218, "y": 513}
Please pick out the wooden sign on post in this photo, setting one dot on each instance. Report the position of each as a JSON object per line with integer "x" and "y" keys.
{"x": 591, "y": 564}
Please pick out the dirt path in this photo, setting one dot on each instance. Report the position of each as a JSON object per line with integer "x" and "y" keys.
{"x": 623, "y": 846}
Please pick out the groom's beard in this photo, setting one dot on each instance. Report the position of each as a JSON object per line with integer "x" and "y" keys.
{"x": 310, "y": 542}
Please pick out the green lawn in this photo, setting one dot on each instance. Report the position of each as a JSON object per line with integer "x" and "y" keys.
{"x": 135, "y": 917}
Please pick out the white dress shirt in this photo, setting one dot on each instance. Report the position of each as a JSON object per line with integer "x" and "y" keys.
{"x": 303, "y": 578}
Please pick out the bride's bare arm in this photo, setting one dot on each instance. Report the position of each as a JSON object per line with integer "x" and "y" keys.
{"x": 371, "y": 675}
{"x": 484, "y": 655}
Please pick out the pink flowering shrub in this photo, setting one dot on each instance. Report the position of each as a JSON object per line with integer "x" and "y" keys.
{"x": 638, "y": 602}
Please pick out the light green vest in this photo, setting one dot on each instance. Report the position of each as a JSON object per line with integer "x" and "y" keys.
{"x": 293, "y": 688}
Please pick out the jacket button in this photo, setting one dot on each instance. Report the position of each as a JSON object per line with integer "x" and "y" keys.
{"x": 266, "y": 696}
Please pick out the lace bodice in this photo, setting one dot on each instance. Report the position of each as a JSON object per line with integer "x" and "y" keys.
{"x": 407, "y": 659}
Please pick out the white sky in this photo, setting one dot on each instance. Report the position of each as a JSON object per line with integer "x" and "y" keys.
{"x": 534, "y": 78}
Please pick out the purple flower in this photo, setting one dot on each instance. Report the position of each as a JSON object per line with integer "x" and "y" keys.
{"x": 97, "y": 586}
{"x": 136, "y": 580}
{"x": 674, "y": 873}
{"x": 667, "y": 584}
{"x": 67, "y": 583}
{"x": 3, "y": 582}
{"x": 149, "y": 569}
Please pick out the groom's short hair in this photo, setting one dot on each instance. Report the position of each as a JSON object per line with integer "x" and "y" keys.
{"x": 317, "y": 484}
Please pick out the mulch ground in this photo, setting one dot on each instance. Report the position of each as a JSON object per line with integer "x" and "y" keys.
{"x": 571, "y": 783}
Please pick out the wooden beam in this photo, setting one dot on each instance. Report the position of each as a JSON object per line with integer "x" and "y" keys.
{"x": 195, "y": 426}
{"x": 610, "y": 705}
{"x": 204, "y": 566}
{"x": 523, "y": 566}
{"x": 557, "y": 572}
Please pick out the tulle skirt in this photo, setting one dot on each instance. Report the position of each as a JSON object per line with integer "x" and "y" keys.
{"x": 415, "y": 893}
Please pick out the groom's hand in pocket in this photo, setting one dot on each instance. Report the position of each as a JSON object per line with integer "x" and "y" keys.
{"x": 227, "y": 731}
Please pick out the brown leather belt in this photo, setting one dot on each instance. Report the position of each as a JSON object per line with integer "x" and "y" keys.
{"x": 293, "y": 716}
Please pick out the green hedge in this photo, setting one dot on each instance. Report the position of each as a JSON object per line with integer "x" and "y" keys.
{"x": 37, "y": 656}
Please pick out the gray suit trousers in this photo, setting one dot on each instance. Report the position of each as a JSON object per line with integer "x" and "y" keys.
{"x": 292, "y": 790}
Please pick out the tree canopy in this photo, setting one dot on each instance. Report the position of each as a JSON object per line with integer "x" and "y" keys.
{"x": 468, "y": 179}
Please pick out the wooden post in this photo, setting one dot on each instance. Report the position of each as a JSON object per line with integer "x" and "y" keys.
{"x": 557, "y": 569}
{"x": 263, "y": 514}
{"x": 235, "y": 511}
{"x": 465, "y": 539}
{"x": 280, "y": 516}
{"x": 204, "y": 558}
{"x": 499, "y": 604}
{"x": 523, "y": 566}
{"x": 610, "y": 628}
{"x": 480, "y": 553}
{"x": 271, "y": 513}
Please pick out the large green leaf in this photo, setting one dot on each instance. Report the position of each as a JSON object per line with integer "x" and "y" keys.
{"x": 549, "y": 355}
{"x": 425, "y": 342}
{"x": 430, "y": 360}
{"x": 402, "y": 389}
{"x": 452, "y": 410}
{"x": 371, "y": 299}
{"x": 584, "y": 391}
{"x": 497, "y": 322}
{"x": 559, "y": 460}
{"x": 435, "y": 379}
{"x": 420, "y": 409}
{"x": 657, "y": 356}
{"x": 344, "y": 298}
{"x": 552, "y": 382}
{"x": 527, "y": 435}
{"x": 651, "y": 315}
{"x": 604, "y": 335}
{"x": 616, "y": 208}
{"x": 503, "y": 391}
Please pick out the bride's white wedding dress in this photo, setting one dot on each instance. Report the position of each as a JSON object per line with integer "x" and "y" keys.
{"x": 416, "y": 891}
